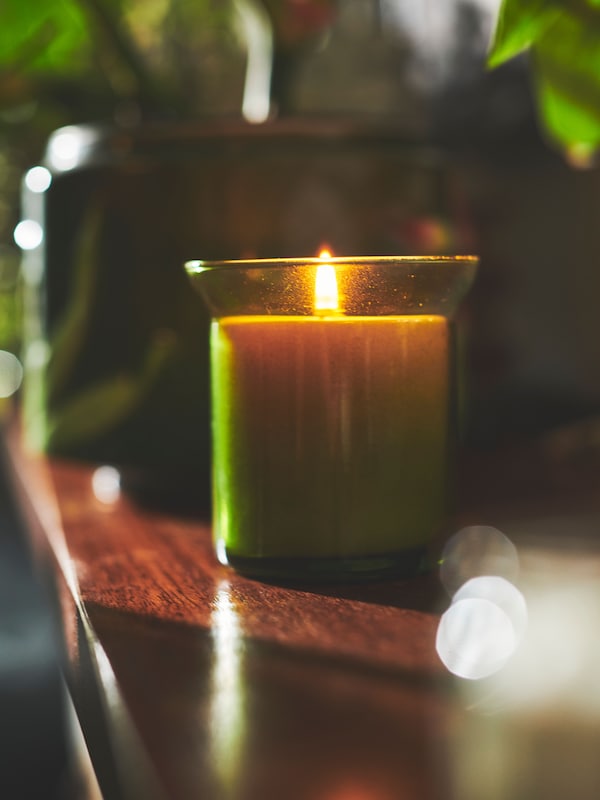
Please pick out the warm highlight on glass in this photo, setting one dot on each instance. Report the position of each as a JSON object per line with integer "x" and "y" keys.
{"x": 332, "y": 410}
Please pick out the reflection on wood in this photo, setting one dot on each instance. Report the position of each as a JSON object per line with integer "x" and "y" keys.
{"x": 217, "y": 686}
{"x": 191, "y": 681}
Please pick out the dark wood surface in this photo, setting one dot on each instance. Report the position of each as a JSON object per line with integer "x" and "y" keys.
{"x": 193, "y": 682}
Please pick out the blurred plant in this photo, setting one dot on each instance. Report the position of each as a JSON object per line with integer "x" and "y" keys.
{"x": 90, "y": 56}
{"x": 105, "y": 61}
{"x": 563, "y": 40}
{"x": 125, "y": 61}
{"x": 295, "y": 25}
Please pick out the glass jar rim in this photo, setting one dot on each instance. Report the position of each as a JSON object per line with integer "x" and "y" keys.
{"x": 196, "y": 266}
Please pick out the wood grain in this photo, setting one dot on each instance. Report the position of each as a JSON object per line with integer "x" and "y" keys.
{"x": 218, "y": 686}
{"x": 192, "y": 681}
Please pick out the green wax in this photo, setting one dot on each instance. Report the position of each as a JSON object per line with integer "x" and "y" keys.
{"x": 330, "y": 434}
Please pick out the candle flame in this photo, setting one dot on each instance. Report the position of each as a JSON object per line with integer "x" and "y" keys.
{"x": 326, "y": 290}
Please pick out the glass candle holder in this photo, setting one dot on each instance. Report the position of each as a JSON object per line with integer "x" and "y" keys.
{"x": 333, "y": 411}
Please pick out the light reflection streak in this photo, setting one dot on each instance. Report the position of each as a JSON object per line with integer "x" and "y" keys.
{"x": 68, "y": 146}
{"x": 38, "y": 179}
{"x": 477, "y": 550}
{"x": 558, "y": 666}
{"x": 482, "y": 629}
{"x": 500, "y": 592}
{"x": 475, "y": 638}
{"x": 256, "y": 102}
{"x": 106, "y": 485}
{"x": 221, "y": 552}
{"x": 532, "y": 728}
{"x": 539, "y": 643}
{"x": 11, "y": 373}
{"x": 227, "y": 708}
{"x": 28, "y": 234}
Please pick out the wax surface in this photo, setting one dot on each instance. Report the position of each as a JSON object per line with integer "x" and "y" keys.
{"x": 330, "y": 434}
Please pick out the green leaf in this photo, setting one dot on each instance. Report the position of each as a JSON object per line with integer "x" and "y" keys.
{"x": 567, "y": 64}
{"x": 563, "y": 36}
{"x": 38, "y": 34}
{"x": 571, "y": 126}
{"x": 520, "y": 23}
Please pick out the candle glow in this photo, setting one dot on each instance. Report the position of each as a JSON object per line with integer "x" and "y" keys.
{"x": 326, "y": 289}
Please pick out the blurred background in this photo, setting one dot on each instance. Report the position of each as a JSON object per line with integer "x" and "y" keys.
{"x": 136, "y": 134}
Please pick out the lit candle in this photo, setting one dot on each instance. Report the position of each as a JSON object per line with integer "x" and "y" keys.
{"x": 331, "y": 434}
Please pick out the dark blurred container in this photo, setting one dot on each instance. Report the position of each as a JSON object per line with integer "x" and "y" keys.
{"x": 116, "y": 341}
